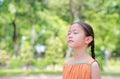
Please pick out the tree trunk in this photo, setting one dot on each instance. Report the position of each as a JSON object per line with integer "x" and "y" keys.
{"x": 15, "y": 39}
{"x": 69, "y": 51}
{"x": 76, "y": 9}
{"x": 33, "y": 35}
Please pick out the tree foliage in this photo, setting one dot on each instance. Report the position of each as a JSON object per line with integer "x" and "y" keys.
{"x": 27, "y": 23}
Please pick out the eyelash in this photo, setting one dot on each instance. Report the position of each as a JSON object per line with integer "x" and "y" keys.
{"x": 68, "y": 33}
{"x": 73, "y": 33}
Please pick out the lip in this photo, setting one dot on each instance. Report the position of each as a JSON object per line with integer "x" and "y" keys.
{"x": 69, "y": 41}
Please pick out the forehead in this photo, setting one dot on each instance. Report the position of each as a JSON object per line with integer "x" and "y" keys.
{"x": 75, "y": 27}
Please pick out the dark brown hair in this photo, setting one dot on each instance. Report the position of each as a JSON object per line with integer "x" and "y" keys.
{"x": 89, "y": 32}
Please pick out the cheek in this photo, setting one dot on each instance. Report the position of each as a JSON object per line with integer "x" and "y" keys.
{"x": 80, "y": 42}
{"x": 80, "y": 39}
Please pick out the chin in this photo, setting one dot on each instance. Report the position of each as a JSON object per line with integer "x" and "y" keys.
{"x": 72, "y": 46}
{"x": 75, "y": 46}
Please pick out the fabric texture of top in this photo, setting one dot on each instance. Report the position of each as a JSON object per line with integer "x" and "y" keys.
{"x": 80, "y": 70}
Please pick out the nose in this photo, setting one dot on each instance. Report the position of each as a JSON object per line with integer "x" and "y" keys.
{"x": 70, "y": 35}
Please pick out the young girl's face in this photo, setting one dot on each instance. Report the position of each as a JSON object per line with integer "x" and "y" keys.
{"x": 76, "y": 36}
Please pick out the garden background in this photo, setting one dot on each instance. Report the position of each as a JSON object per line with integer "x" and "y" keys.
{"x": 33, "y": 34}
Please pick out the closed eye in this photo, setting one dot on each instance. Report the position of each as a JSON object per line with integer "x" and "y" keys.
{"x": 75, "y": 32}
{"x": 69, "y": 33}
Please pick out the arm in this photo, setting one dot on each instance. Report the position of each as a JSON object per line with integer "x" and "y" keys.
{"x": 95, "y": 71}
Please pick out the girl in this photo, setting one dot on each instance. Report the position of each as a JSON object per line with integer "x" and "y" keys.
{"x": 81, "y": 65}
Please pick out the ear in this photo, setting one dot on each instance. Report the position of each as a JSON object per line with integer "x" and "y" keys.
{"x": 88, "y": 39}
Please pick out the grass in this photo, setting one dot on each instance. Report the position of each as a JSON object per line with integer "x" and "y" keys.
{"x": 113, "y": 66}
{"x": 10, "y": 72}
{"x": 110, "y": 74}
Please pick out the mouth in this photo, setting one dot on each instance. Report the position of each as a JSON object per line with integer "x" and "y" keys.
{"x": 69, "y": 41}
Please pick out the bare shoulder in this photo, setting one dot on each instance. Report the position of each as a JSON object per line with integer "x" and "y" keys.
{"x": 95, "y": 65}
{"x": 68, "y": 61}
{"x": 95, "y": 71}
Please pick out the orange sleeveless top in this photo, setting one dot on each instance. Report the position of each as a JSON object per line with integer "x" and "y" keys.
{"x": 80, "y": 70}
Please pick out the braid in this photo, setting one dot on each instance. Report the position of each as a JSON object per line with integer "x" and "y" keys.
{"x": 92, "y": 49}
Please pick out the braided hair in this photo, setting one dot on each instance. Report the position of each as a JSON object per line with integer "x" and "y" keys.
{"x": 89, "y": 32}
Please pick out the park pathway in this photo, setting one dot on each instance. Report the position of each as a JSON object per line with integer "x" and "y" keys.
{"x": 48, "y": 77}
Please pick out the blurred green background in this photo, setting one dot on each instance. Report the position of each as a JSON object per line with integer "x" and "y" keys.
{"x": 33, "y": 34}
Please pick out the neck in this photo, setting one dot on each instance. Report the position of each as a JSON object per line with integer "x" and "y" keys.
{"x": 80, "y": 52}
